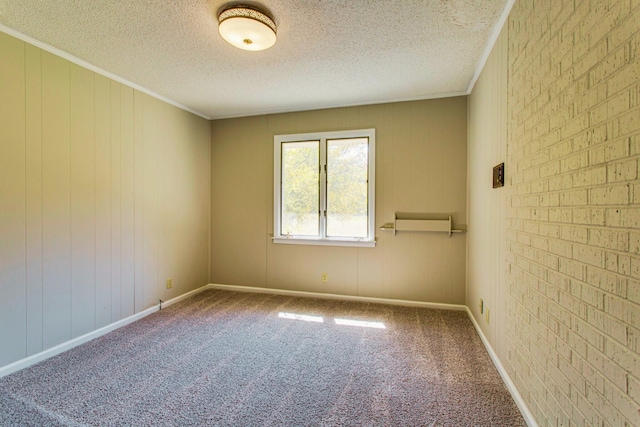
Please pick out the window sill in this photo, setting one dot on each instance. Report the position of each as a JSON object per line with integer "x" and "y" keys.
{"x": 325, "y": 242}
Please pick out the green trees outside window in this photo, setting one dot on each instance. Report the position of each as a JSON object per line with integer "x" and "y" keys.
{"x": 323, "y": 186}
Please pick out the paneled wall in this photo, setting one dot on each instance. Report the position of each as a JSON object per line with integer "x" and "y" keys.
{"x": 104, "y": 194}
{"x": 486, "y": 264}
{"x": 421, "y": 151}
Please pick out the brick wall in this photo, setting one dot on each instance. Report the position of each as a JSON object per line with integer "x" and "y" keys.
{"x": 573, "y": 210}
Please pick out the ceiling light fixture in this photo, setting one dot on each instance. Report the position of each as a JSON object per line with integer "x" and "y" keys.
{"x": 247, "y": 28}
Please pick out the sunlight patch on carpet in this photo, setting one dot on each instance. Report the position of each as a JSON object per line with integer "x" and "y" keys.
{"x": 304, "y": 317}
{"x": 341, "y": 322}
{"x": 361, "y": 323}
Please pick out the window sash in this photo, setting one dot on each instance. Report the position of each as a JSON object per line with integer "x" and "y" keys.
{"x": 324, "y": 139}
{"x": 333, "y": 222}
{"x": 308, "y": 156}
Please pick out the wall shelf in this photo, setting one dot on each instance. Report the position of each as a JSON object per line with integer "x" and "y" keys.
{"x": 420, "y": 222}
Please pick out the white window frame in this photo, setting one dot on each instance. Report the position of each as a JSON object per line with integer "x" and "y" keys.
{"x": 278, "y": 237}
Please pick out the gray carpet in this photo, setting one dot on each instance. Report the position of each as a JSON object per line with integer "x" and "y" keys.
{"x": 226, "y": 358}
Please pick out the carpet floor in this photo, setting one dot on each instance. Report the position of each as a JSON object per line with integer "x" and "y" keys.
{"x": 223, "y": 358}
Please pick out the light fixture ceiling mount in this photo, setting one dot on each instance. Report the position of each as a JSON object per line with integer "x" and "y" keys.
{"x": 247, "y": 28}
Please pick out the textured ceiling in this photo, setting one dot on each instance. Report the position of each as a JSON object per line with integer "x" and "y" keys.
{"x": 329, "y": 52}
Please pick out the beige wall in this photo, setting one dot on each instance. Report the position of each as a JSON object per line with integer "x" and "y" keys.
{"x": 104, "y": 193}
{"x": 572, "y": 341}
{"x": 420, "y": 167}
{"x": 487, "y": 206}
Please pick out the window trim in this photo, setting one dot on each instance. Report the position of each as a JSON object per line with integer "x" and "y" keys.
{"x": 278, "y": 140}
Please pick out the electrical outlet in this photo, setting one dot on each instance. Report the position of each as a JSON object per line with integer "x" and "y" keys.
{"x": 487, "y": 316}
{"x": 481, "y": 306}
{"x": 325, "y": 277}
{"x": 169, "y": 283}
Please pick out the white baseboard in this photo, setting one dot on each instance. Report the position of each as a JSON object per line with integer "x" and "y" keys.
{"x": 524, "y": 409}
{"x": 61, "y": 348}
{"x": 456, "y": 307}
{"x": 179, "y": 298}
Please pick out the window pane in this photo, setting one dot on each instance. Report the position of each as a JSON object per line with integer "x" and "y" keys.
{"x": 347, "y": 187}
{"x": 301, "y": 188}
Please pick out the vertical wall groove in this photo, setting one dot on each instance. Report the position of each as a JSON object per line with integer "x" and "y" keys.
{"x": 26, "y": 227}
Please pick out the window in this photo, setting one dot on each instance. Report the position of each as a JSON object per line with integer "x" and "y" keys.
{"x": 324, "y": 188}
